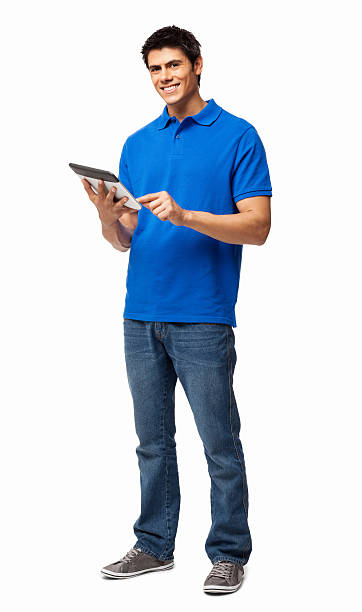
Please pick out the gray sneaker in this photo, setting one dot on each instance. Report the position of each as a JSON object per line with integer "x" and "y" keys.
{"x": 135, "y": 562}
{"x": 225, "y": 577}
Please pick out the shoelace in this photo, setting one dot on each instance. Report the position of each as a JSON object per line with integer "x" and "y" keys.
{"x": 130, "y": 555}
{"x": 222, "y": 569}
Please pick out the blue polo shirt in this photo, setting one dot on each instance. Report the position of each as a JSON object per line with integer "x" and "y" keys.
{"x": 207, "y": 162}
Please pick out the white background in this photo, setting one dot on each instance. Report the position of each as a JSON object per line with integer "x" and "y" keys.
{"x": 74, "y": 87}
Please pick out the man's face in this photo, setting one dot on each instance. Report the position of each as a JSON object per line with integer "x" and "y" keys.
{"x": 168, "y": 66}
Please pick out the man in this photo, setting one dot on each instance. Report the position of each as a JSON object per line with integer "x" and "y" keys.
{"x": 206, "y": 192}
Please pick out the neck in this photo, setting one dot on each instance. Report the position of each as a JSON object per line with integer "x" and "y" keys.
{"x": 186, "y": 107}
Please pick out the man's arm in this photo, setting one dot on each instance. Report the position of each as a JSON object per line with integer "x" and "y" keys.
{"x": 250, "y": 226}
{"x": 119, "y": 234}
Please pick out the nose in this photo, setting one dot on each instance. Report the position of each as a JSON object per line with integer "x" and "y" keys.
{"x": 165, "y": 75}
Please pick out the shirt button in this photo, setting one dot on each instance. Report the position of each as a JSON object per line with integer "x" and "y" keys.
{"x": 177, "y": 135}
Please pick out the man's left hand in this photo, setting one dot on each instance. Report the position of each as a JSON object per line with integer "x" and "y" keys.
{"x": 164, "y": 207}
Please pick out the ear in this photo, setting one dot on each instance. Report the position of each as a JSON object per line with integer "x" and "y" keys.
{"x": 198, "y": 65}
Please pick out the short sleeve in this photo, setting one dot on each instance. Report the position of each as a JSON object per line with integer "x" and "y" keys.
{"x": 250, "y": 173}
{"x": 123, "y": 173}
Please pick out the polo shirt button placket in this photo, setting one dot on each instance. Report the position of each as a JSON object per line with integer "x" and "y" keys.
{"x": 178, "y": 145}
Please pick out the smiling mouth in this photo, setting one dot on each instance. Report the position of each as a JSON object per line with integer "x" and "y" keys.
{"x": 170, "y": 87}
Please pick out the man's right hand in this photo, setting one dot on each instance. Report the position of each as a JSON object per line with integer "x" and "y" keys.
{"x": 109, "y": 211}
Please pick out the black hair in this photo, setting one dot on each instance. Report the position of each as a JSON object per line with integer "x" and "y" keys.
{"x": 172, "y": 36}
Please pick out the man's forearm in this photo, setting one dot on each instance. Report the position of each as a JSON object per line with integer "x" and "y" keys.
{"x": 118, "y": 235}
{"x": 237, "y": 228}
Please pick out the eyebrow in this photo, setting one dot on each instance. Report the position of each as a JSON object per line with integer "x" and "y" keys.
{"x": 170, "y": 62}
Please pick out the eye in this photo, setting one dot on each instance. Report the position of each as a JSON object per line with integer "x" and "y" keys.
{"x": 173, "y": 64}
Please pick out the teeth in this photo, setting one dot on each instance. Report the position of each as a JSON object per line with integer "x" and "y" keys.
{"x": 170, "y": 88}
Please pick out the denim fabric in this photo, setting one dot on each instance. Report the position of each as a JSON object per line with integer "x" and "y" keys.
{"x": 203, "y": 357}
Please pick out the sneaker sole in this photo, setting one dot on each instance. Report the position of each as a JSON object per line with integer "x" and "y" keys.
{"x": 131, "y": 574}
{"x": 221, "y": 589}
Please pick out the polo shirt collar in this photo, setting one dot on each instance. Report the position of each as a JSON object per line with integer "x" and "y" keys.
{"x": 205, "y": 117}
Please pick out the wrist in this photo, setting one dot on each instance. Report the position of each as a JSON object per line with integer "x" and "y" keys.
{"x": 187, "y": 217}
{"x": 108, "y": 225}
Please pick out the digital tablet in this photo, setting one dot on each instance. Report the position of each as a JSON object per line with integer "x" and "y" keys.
{"x": 93, "y": 175}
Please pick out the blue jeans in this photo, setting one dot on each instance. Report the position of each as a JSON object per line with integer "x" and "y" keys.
{"x": 203, "y": 357}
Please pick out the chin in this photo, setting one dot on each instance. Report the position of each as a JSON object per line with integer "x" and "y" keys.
{"x": 173, "y": 99}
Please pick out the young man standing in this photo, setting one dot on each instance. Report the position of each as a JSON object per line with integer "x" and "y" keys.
{"x": 206, "y": 192}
